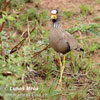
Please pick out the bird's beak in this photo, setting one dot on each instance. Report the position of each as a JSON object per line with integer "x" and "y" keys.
{"x": 54, "y": 17}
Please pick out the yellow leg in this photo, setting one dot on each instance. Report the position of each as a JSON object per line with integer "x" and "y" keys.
{"x": 60, "y": 62}
{"x": 62, "y": 66}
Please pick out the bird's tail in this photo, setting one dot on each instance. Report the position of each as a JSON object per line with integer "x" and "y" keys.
{"x": 80, "y": 49}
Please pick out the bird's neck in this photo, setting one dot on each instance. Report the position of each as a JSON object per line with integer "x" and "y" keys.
{"x": 56, "y": 24}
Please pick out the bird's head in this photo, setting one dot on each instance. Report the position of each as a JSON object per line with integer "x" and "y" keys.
{"x": 54, "y": 15}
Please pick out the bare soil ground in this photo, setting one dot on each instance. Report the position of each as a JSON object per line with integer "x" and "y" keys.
{"x": 65, "y": 4}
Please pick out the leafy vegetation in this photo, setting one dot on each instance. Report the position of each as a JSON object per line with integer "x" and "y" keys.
{"x": 25, "y": 33}
{"x": 92, "y": 28}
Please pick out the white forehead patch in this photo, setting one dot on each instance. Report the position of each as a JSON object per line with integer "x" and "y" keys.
{"x": 54, "y": 12}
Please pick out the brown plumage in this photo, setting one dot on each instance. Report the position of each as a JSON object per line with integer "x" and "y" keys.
{"x": 59, "y": 40}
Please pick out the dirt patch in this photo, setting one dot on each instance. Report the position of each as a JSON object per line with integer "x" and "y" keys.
{"x": 64, "y": 4}
{"x": 96, "y": 57}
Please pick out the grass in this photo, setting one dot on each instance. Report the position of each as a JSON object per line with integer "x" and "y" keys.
{"x": 81, "y": 76}
{"x": 67, "y": 14}
{"x": 86, "y": 10}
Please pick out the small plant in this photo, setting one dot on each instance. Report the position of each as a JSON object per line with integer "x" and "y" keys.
{"x": 92, "y": 28}
{"x": 97, "y": 19}
{"x": 86, "y": 10}
{"x": 43, "y": 16}
{"x": 32, "y": 13}
{"x": 93, "y": 47}
{"x": 98, "y": 1}
{"x": 67, "y": 14}
{"x": 6, "y": 16}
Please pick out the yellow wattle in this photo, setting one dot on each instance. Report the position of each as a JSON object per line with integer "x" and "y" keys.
{"x": 53, "y": 16}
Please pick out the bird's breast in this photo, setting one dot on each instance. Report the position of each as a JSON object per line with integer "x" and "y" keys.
{"x": 57, "y": 42}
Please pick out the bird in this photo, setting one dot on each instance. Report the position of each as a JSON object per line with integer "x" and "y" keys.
{"x": 61, "y": 41}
